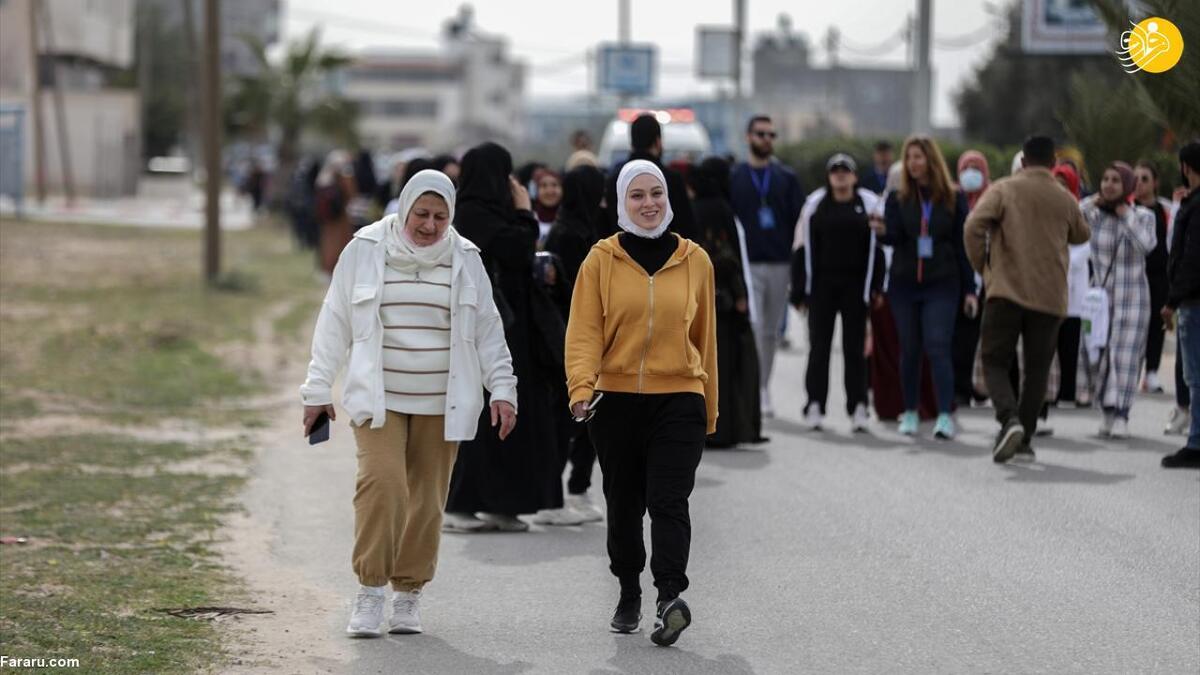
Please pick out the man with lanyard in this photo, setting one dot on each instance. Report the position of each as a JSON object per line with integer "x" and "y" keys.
{"x": 767, "y": 200}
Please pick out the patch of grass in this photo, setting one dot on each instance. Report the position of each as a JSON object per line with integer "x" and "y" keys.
{"x": 116, "y": 324}
{"x": 106, "y": 550}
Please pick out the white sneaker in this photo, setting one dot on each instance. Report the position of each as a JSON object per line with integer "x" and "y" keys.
{"x": 1178, "y": 422}
{"x": 504, "y": 523}
{"x": 813, "y": 417}
{"x": 1151, "y": 384}
{"x": 1106, "y": 425}
{"x": 583, "y": 505}
{"x": 563, "y": 516}
{"x": 860, "y": 419}
{"x": 764, "y": 400}
{"x": 465, "y": 523}
{"x": 1120, "y": 428}
{"x": 366, "y": 620}
{"x": 406, "y": 613}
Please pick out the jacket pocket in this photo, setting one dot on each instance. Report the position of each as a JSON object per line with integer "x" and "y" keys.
{"x": 670, "y": 352}
{"x": 363, "y": 314}
{"x": 468, "y": 310}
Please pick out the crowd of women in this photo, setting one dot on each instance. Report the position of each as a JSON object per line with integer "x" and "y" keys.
{"x": 489, "y": 294}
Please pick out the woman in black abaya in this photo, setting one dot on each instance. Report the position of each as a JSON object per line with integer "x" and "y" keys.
{"x": 737, "y": 356}
{"x": 494, "y": 481}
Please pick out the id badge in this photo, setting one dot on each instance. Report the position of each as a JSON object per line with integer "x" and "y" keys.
{"x": 766, "y": 218}
{"x": 925, "y": 247}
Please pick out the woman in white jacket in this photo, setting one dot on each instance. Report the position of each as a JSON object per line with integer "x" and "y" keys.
{"x": 411, "y": 304}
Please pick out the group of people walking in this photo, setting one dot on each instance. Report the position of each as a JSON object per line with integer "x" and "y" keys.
{"x": 502, "y": 324}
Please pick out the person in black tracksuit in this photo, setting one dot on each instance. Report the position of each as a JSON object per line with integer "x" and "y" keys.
{"x": 837, "y": 269}
{"x": 1145, "y": 192}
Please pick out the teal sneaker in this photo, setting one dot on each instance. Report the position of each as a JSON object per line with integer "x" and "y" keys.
{"x": 943, "y": 428}
{"x": 909, "y": 423}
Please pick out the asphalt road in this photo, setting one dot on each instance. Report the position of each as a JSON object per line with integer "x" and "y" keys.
{"x": 819, "y": 552}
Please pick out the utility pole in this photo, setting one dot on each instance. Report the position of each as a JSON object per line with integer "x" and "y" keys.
{"x": 624, "y": 31}
{"x": 924, "y": 76}
{"x": 739, "y": 41}
{"x": 60, "y": 114}
{"x": 212, "y": 139}
{"x": 35, "y": 105}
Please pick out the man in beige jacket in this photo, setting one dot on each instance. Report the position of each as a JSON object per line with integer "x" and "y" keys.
{"x": 1017, "y": 237}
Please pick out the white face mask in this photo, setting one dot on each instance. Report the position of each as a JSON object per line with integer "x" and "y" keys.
{"x": 971, "y": 180}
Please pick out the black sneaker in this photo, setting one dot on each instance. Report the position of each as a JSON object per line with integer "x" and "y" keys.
{"x": 1186, "y": 458}
{"x": 628, "y": 614}
{"x": 673, "y": 617}
{"x": 1011, "y": 437}
{"x": 1024, "y": 453}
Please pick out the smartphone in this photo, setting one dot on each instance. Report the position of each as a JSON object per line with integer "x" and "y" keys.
{"x": 319, "y": 431}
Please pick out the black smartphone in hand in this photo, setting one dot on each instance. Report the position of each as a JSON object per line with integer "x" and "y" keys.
{"x": 319, "y": 431}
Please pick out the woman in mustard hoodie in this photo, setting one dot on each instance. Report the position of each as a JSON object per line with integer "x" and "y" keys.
{"x": 641, "y": 358}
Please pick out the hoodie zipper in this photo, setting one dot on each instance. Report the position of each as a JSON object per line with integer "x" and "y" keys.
{"x": 649, "y": 334}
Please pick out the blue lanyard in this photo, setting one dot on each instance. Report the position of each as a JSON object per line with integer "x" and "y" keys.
{"x": 926, "y": 212}
{"x": 765, "y": 186}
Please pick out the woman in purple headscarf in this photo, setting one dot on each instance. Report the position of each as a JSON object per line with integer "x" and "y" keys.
{"x": 1122, "y": 234}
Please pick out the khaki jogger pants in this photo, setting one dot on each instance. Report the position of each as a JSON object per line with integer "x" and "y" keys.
{"x": 400, "y": 493}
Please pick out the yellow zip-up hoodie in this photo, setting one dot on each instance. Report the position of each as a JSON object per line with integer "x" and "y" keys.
{"x": 636, "y": 333}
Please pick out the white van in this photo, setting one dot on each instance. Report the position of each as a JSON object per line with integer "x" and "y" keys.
{"x": 683, "y": 136}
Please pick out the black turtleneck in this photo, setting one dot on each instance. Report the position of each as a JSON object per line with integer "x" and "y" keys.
{"x": 651, "y": 254}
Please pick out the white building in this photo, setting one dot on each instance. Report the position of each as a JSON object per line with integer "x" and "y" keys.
{"x": 467, "y": 92}
{"x": 90, "y": 43}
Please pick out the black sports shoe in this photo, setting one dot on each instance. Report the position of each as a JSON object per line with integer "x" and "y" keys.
{"x": 1011, "y": 437}
{"x": 628, "y": 614}
{"x": 1024, "y": 454}
{"x": 673, "y": 617}
{"x": 1186, "y": 458}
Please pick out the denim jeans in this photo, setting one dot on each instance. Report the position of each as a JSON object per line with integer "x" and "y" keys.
{"x": 1189, "y": 341}
{"x": 925, "y": 319}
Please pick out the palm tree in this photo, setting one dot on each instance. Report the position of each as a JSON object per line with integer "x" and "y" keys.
{"x": 291, "y": 97}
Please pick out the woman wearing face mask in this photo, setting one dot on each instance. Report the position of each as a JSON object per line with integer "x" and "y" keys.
{"x": 973, "y": 179}
{"x": 641, "y": 359}
{"x": 545, "y": 206}
{"x": 1145, "y": 193}
{"x": 930, "y": 276}
{"x": 838, "y": 270}
{"x": 1122, "y": 235}
{"x": 422, "y": 345}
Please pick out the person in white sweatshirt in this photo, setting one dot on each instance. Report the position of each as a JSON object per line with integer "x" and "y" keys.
{"x": 410, "y": 305}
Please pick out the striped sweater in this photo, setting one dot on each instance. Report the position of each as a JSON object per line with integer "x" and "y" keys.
{"x": 415, "y": 310}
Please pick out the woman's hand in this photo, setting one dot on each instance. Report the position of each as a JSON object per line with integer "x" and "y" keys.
{"x": 520, "y": 195}
{"x": 505, "y": 415}
{"x": 971, "y": 306}
{"x": 311, "y": 412}
{"x": 579, "y": 410}
{"x": 877, "y": 225}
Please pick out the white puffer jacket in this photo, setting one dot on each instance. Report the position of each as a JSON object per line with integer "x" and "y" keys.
{"x": 349, "y": 323}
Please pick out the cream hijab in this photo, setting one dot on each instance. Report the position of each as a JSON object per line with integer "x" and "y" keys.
{"x": 402, "y": 253}
{"x": 632, "y": 170}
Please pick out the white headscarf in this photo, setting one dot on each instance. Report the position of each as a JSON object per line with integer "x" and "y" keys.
{"x": 632, "y": 170}
{"x": 402, "y": 253}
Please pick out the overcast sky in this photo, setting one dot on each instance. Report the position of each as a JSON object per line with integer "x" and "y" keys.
{"x": 551, "y": 36}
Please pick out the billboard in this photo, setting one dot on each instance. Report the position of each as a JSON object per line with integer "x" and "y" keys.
{"x": 627, "y": 69}
{"x": 716, "y": 52}
{"x": 1063, "y": 27}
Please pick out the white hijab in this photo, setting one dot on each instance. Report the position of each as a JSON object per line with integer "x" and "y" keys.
{"x": 402, "y": 253}
{"x": 632, "y": 170}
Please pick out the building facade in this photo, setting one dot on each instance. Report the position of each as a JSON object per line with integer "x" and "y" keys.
{"x": 84, "y": 49}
